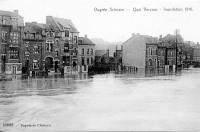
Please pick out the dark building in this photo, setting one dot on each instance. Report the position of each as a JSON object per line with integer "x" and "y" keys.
{"x": 51, "y": 47}
{"x": 118, "y": 59}
{"x": 11, "y": 32}
{"x": 164, "y": 55}
{"x": 33, "y": 46}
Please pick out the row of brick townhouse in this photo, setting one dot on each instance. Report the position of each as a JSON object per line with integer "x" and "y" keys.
{"x": 34, "y": 47}
{"x": 151, "y": 53}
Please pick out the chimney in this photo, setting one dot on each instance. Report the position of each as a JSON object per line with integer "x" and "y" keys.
{"x": 16, "y": 12}
{"x": 86, "y": 36}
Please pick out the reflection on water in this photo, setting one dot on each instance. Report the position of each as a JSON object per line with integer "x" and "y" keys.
{"x": 131, "y": 101}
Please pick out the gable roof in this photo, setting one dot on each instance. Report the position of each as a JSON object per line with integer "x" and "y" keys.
{"x": 13, "y": 14}
{"x": 63, "y": 23}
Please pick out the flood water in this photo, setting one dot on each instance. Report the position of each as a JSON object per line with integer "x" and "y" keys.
{"x": 102, "y": 102}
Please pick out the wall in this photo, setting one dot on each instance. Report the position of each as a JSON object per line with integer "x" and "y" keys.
{"x": 134, "y": 50}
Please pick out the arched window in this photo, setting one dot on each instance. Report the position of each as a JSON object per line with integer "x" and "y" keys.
{"x": 150, "y": 62}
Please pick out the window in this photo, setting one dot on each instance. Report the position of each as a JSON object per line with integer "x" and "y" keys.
{"x": 91, "y": 51}
{"x": 66, "y": 46}
{"x": 92, "y": 61}
{"x": 66, "y": 60}
{"x": 47, "y": 34}
{"x": 82, "y": 51}
{"x": 3, "y": 36}
{"x": 150, "y": 62}
{"x": 49, "y": 46}
{"x": 155, "y": 62}
{"x": 88, "y": 51}
{"x": 75, "y": 51}
{"x": 75, "y": 39}
{"x": 14, "y": 53}
{"x": 83, "y": 61}
{"x": 35, "y": 64}
{"x": 66, "y": 33}
{"x": 56, "y": 43}
{"x": 36, "y": 49}
{"x": 57, "y": 53}
{"x": 88, "y": 61}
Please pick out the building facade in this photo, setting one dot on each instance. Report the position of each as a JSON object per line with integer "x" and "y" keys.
{"x": 196, "y": 53}
{"x": 165, "y": 55}
{"x": 134, "y": 50}
{"x": 11, "y": 31}
{"x": 33, "y": 46}
{"x": 86, "y": 54}
{"x": 61, "y": 44}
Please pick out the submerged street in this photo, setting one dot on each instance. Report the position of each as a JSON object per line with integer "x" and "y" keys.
{"x": 102, "y": 102}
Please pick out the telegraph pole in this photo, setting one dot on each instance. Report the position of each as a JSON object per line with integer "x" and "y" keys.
{"x": 176, "y": 51}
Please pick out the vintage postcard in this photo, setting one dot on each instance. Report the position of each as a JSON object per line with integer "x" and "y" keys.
{"x": 99, "y": 65}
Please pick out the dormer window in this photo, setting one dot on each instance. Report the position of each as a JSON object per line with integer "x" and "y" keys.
{"x": 66, "y": 33}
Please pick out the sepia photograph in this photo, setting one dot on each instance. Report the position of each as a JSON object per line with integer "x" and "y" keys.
{"x": 99, "y": 65}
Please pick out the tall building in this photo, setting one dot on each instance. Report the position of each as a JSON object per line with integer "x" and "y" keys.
{"x": 33, "y": 46}
{"x": 11, "y": 32}
{"x": 86, "y": 53}
{"x": 61, "y": 47}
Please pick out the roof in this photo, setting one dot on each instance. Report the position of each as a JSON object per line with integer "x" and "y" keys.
{"x": 85, "y": 41}
{"x": 64, "y": 23}
{"x": 145, "y": 38}
{"x": 34, "y": 27}
{"x": 13, "y": 14}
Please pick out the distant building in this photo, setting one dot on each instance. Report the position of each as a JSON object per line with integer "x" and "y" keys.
{"x": 101, "y": 58}
{"x": 134, "y": 50}
{"x": 118, "y": 59}
{"x": 86, "y": 53}
{"x": 196, "y": 53}
{"x": 11, "y": 31}
{"x": 162, "y": 55}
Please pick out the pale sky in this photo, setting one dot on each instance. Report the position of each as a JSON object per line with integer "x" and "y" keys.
{"x": 115, "y": 26}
